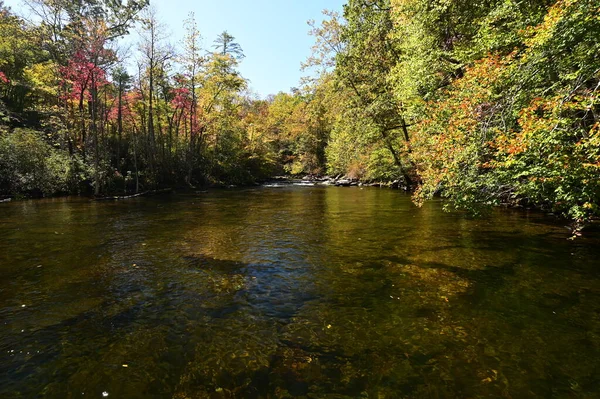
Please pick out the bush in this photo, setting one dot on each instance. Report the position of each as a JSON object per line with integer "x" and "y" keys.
{"x": 31, "y": 166}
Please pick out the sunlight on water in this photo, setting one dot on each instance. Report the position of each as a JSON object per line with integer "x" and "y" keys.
{"x": 293, "y": 292}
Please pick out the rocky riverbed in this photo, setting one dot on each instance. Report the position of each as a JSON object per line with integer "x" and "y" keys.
{"x": 340, "y": 181}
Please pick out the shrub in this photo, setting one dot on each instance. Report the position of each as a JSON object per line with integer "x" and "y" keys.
{"x": 31, "y": 166}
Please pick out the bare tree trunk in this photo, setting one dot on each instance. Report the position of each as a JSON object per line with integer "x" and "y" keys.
{"x": 94, "y": 129}
{"x": 82, "y": 125}
{"x": 119, "y": 124}
{"x": 135, "y": 167}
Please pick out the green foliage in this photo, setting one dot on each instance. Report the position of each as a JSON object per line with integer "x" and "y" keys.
{"x": 224, "y": 44}
{"x": 28, "y": 164}
{"x": 364, "y": 64}
{"x": 295, "y": 128}
{"x": 18, "y": 55}
{"x": 482, "y": 103}
{"x": 520, "y": 125}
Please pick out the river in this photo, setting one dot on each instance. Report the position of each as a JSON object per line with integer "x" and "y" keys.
{"x": 283, "y": 292}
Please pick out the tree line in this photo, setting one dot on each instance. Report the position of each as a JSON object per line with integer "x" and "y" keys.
{"x": 80, "y": 113}
{"x": 482, "y": 103}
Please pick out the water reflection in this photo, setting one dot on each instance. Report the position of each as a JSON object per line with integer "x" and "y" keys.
{"x": 293, "y": 292}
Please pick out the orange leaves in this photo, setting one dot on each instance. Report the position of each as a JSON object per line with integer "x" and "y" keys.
{"x": 461, "y": 111}
{"x": 521, "y": 125}
{"x": 456, "y": 142}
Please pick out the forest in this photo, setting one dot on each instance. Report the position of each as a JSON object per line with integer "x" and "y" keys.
{"x": 482, "y": 103}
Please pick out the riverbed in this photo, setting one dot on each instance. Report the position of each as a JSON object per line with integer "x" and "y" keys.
{"x": 282, "y": 292}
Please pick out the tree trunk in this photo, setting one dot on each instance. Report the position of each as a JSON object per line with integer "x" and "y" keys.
{"x": 94, "y": 129}
{"x": 119, "y": 124}
{"x": 397, "y": 160}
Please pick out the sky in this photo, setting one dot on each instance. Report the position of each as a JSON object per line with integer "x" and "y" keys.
{"x": 272, "y": 33}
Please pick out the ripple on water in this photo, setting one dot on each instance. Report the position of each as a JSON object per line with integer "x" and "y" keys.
{"x": 293, "y": 292}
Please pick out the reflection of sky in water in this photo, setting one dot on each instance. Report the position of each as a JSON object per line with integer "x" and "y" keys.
{"x": 290, "y": 292}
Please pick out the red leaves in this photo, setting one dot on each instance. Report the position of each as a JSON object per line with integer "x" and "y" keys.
{"x": 183, "y": 103}
{"x": 3, "y": 78}
{"x": 128, "y": 102}
{"x": 86, "y": 70}
{"x": 182, "y": 98}
{"x": 82, "y": 75}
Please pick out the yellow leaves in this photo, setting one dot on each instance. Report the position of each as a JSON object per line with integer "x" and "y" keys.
{"x": 539, "y": 34}
{"x": 443, "y": 138}
{"x": 43, "y": 76}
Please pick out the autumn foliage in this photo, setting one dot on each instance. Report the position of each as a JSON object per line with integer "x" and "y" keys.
{"x": 483, "y": 104}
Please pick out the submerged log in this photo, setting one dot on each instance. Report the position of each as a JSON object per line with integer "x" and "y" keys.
{"x": 143, "y": 194}
{"x": 343, "y": 183}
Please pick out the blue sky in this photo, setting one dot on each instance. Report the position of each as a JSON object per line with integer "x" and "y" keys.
{"x": 273, "y": 33}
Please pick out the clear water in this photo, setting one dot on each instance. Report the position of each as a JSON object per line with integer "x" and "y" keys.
{"x": 307, "y": 292}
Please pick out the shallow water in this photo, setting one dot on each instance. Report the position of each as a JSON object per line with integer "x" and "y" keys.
{"x": 287, "y": 292}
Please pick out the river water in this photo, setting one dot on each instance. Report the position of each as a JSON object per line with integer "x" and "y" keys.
{"x": 306, "y": 292}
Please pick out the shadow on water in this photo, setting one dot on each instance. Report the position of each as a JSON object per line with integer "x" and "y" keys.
{"x": 293, "y": 292}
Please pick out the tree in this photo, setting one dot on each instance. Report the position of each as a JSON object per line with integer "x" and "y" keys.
{"x": 224, "y": 44}
{"x": 520, "y": 125}
{"x": 17, "y": 54}
{"x": 155, "y": 52}
{"x": 122, "y": 81}
{"x": 220, "y": 105}
{"x": 193, "y": 64}
{"x": 365, "y": 55}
